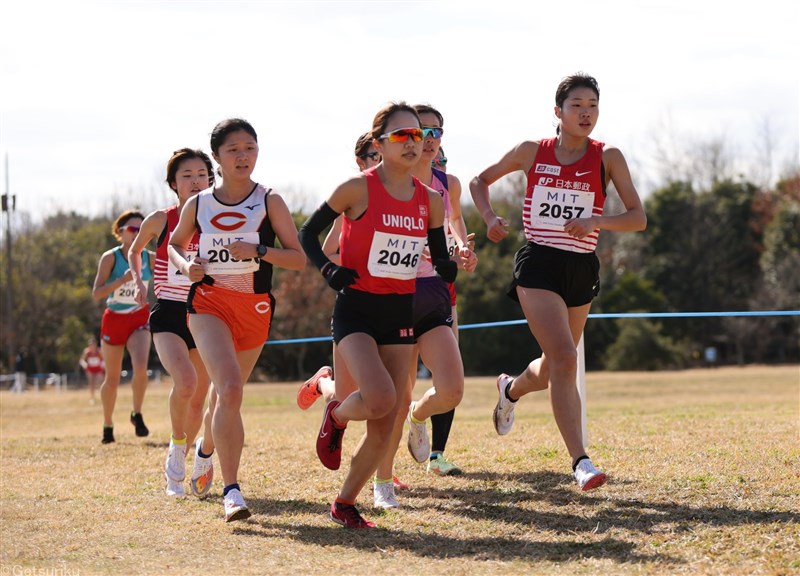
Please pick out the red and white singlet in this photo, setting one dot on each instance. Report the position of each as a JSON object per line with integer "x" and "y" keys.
{"x": 557, "y": 193}
{"x": 168, "y": 282}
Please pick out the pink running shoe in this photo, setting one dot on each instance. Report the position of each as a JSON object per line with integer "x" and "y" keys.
{"x": 348, "y": 516}
{"x": 329, "y": 441}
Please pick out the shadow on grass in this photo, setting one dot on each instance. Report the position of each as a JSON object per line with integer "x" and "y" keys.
{"x": 505, "y": 502}
{"x": 431, "y": 545}
{"x": 607, "y": 512}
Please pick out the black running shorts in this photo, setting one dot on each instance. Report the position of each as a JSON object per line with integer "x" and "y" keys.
{"x": 574, "y": 276}
{"x": 431, "y": 305}
{"x": 387, "y": 318}
{"x": 170, "y": 316}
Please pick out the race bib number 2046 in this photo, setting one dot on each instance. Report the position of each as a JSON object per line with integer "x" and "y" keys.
{"x": 394, "y": 256}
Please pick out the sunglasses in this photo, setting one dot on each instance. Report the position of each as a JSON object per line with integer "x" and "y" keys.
{"x": 134, "y": 229}
{"x": 433, "y": 132}
{"x": 375, "y": 156}
{"x": 402, "y": 135}
{"x": 440, "y": 161}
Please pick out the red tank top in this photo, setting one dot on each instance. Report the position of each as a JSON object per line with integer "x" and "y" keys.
{"x": 168, "y": 282}
{"x": 385, "y": 243}
{"x": 557, "y": 193}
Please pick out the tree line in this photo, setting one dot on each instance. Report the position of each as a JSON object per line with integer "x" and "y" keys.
{"x": 729, "y": 245}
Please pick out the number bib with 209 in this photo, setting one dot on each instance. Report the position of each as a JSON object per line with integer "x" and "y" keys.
{"x": 552, "y": 207}
{"x": 213, "y": 247}
{"x": 394, "y": 256}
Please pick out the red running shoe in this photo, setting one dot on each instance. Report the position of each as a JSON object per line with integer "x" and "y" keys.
{"x": 309, "y": 390}
{"x": 348, "y": 516}
{"x": 399, "y": 484}
{"x": 329, "y": 441}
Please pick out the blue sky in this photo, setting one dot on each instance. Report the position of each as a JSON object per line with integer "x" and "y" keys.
{"x": 96, "y": 95}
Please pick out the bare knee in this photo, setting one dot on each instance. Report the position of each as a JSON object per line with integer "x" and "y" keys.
{"x": 563, "y": 363}
{"x": 379, "y": 404}
{"x": 230, "y": 395}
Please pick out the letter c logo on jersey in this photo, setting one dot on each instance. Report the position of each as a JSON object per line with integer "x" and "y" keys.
{"x": 229, "y": 221}
{"x": 262, "y": 307}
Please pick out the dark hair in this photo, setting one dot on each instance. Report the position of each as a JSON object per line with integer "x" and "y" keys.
{"x": 187, "y": 154}
{"x": 428, "y": 109}
{"x": 579, "y": 80}
{"x": 122, "y": 219}
{"x": 362, "y": 144}
{"x": 568, "y": 84}
{"x": 385, "y": 113}
{"x": 226, "y": 127}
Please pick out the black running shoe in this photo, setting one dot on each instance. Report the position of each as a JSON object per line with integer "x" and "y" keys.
{"x": 138, "y": 422}
{"x": 108, "y": 434}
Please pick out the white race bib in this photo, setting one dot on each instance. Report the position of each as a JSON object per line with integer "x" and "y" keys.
{"x": 174, "y": 276}
{"x": 125, "y": 294}
{"x": 213, "y": 247}
{"x": 394, "y": 256}
{"x": 552, "y": 207}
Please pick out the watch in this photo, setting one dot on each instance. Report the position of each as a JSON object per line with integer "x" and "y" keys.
{"x": 261, "y": 250}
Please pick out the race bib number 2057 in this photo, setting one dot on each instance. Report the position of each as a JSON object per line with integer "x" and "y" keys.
{"x": 552, "y": 207}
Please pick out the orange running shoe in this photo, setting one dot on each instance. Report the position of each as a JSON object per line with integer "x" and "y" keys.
{"x": 309, "y": 390}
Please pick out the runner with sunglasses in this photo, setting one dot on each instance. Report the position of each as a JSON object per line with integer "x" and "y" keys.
{"x": 230, "y": 304}
{"x": 124, "y": 323}
{"x": 322, "y": 383}
{"x": 188, "y": 173}
{"x": 388, "y": 214}
{"x": 435, "y": 340}
{"x": 556, "y": 274}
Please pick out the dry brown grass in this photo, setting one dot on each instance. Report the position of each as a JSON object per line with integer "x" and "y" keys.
{"x": 703, "y": 468}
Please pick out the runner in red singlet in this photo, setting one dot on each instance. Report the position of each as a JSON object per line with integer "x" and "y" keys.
{"x": 556, "y": 274}
{"x": 388, "y": 214}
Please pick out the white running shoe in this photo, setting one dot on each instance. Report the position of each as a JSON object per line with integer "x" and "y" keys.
{"x": 235, "y": 508}
{"x": 202, "y": 472}
{"x": 418, "y": 443}
{"x": 384, "y": 495}
{"x": 587, "y": 476}
{"x": 175, "y": 489}
{"x": 175, "y": 467}
{"x": 503, "y": 416}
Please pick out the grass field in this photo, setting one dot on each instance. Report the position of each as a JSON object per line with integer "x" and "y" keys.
{"x": 704, "y": 478}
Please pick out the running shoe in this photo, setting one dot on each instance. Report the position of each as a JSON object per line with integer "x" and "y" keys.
{"x": 202, "y": 472}
{"x": 418, "y": 443}
{"x": 587, "y": 476}
{"x": 348, "y": 516}
{"x": 175, "y": 489}
{"x": 175, "y": 466}
{"x": 138, "y": 423}
{"x": 503, "y": 416}
{"x": 442, "y": 466}
{"x": 309, "y": 391}
{"x": 329, "y": 441}
{"x": 384, "y": 495}
{"x": 399, "y": 484}
{"x": 235, "y": 507}
{"x": 108, "y": 435}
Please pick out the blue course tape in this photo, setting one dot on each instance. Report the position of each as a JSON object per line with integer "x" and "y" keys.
{"x": 620, "y": 315}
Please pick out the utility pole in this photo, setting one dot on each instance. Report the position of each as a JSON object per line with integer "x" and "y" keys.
{"x": 9, "y": 205}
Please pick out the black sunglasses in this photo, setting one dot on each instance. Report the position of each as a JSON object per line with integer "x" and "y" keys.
{"x": 371, "y": 155}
